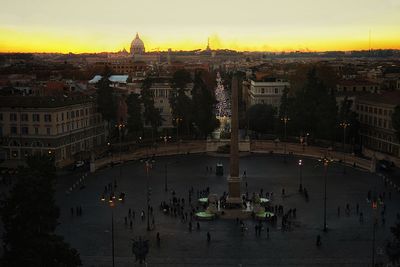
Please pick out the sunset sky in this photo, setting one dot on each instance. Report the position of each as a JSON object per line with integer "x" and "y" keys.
{"x": 259, "y": 25}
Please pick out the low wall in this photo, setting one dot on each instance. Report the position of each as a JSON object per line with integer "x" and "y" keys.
{"x": 213, "y": 145}
{"x": 244, "y": 146}
{"x": 311, "y": 151}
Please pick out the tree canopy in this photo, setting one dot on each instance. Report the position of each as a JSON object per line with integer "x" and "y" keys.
{"x": 106, "y": 101}
{"x": 134, "y": 123}
{"x": 261, "y": 118}
{"x": 30, "y": 217}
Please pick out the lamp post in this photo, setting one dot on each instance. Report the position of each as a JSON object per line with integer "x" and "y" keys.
{"x": 177, "y": 120}
{"x": 120, "y": 126}
{"x": 374, "y": 223}
{"x": 285, "y": 120}
{"x": 375, "y": 207}
{"x": 148, "y": 166}
{"x": 325, "y": 161}
{"x": 344, "y": 125}
{"x": 300, "y": 175}
{"x": 166, "y": 181}
{"x": 112, "y": 202}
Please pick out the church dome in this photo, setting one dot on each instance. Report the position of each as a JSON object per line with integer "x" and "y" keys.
{"x": 137, "y": 46}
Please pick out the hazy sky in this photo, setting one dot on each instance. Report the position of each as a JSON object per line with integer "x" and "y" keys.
{"x": 100, "y": 25}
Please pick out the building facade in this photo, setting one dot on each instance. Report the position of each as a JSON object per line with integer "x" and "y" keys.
{"x": 269, "y": 91}
{"x": 375, "y": 116}
{"x": 63, "y": 127}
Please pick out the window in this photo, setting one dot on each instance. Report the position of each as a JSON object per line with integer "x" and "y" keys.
{"x": 13, "y": 116}
{"x": 81, "y": 112}
{"x": 24, "y": 117}
{"x": 262, "y": 91}
{"x": 48, "y": 131}
{"x": 276, "y": 90}
{"x": 72, "y": 114}
{"x": 77, "y": 113}
{"x": 13, "y": 130}
{"x": 36, "y": 130}
{"x": 35, "y": 117}
{"x": 62, "y": 116}
{"x": 380, "y": 111}
{"x": 47, "y": 117}
{"x": 86, "y": 111}
{"x": 24, "y": 130}
{"x": 1, "y": 116}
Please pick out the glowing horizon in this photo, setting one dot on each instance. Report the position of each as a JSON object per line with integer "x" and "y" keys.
{"x": 99, "y": 26}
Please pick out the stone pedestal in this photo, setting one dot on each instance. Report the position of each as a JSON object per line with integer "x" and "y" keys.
{"x": 234, "y": 198}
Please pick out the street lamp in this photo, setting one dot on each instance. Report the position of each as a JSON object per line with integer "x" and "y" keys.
{"x": 166, "y": 181}
{"x": 285, "y": 120}
{"x": 120, "y": 126}
{"x": 148, "y": 166}
{"x": 177, "y": 120}
{"x": 111, "y": 202}
{"x": 344, "y": 125}
{"x": 300, "y": 175}
{"x": 325, "y": 161}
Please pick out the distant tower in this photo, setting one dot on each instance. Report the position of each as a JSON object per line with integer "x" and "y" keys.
{"x": 208, "y": 45}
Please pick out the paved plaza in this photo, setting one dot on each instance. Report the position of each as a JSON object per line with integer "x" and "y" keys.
{"x": 348, "y": 241}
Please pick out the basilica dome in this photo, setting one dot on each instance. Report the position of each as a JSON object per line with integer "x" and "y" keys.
{"x": 137, "y": 46}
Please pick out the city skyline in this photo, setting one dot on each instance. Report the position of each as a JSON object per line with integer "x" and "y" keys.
{"x": 78, "y": 27}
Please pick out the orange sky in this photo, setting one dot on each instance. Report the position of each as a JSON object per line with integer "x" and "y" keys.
{"x": 257, "y": 25}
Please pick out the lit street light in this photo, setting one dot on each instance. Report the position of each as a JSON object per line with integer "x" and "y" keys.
{"x": 177, "y": 120}
{"x": 325, "y": 161}
{"x": 148, "y": 166}
{"x": 112, "y": 202}
{"x": 300, "y": 175}
{"x": 285, "y": 120}
{"x": 344, "y": 125}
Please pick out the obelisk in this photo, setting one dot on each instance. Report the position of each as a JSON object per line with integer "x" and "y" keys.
{"x": 234, "y": 197}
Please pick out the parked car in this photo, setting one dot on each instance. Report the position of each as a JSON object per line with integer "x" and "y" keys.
{"x": 385, "y": 165}
{"x": 79, "y": 163}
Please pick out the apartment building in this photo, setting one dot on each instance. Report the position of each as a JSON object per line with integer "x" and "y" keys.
{"x": 65, "y": 127}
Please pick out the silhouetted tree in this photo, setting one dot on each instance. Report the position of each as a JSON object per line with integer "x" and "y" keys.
{"x": 30, "y": 217}
{"x": 261, "y": 118}
{"x": 151, "y": 114}
{"x": 180, "y": 102}
{"x": 203, "y": 106}
{"x": 134, "y": 123}
{"x": 106, "y": 101}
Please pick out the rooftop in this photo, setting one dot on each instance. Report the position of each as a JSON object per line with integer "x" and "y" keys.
{"x": 387, "y": 97}
{"x": 42, "y": 102}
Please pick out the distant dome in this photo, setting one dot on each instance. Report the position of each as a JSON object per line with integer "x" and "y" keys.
{"x": 137, "y": 46}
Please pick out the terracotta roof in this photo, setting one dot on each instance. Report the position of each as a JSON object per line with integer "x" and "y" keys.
{"x": 387, "y": 97}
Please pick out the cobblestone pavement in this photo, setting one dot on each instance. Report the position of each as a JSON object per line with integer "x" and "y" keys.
{"x": 347, "y": 242}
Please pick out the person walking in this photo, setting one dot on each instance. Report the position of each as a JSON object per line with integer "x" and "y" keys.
{"x": 158, "y": 239}
{"x": 318, "y": 243}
